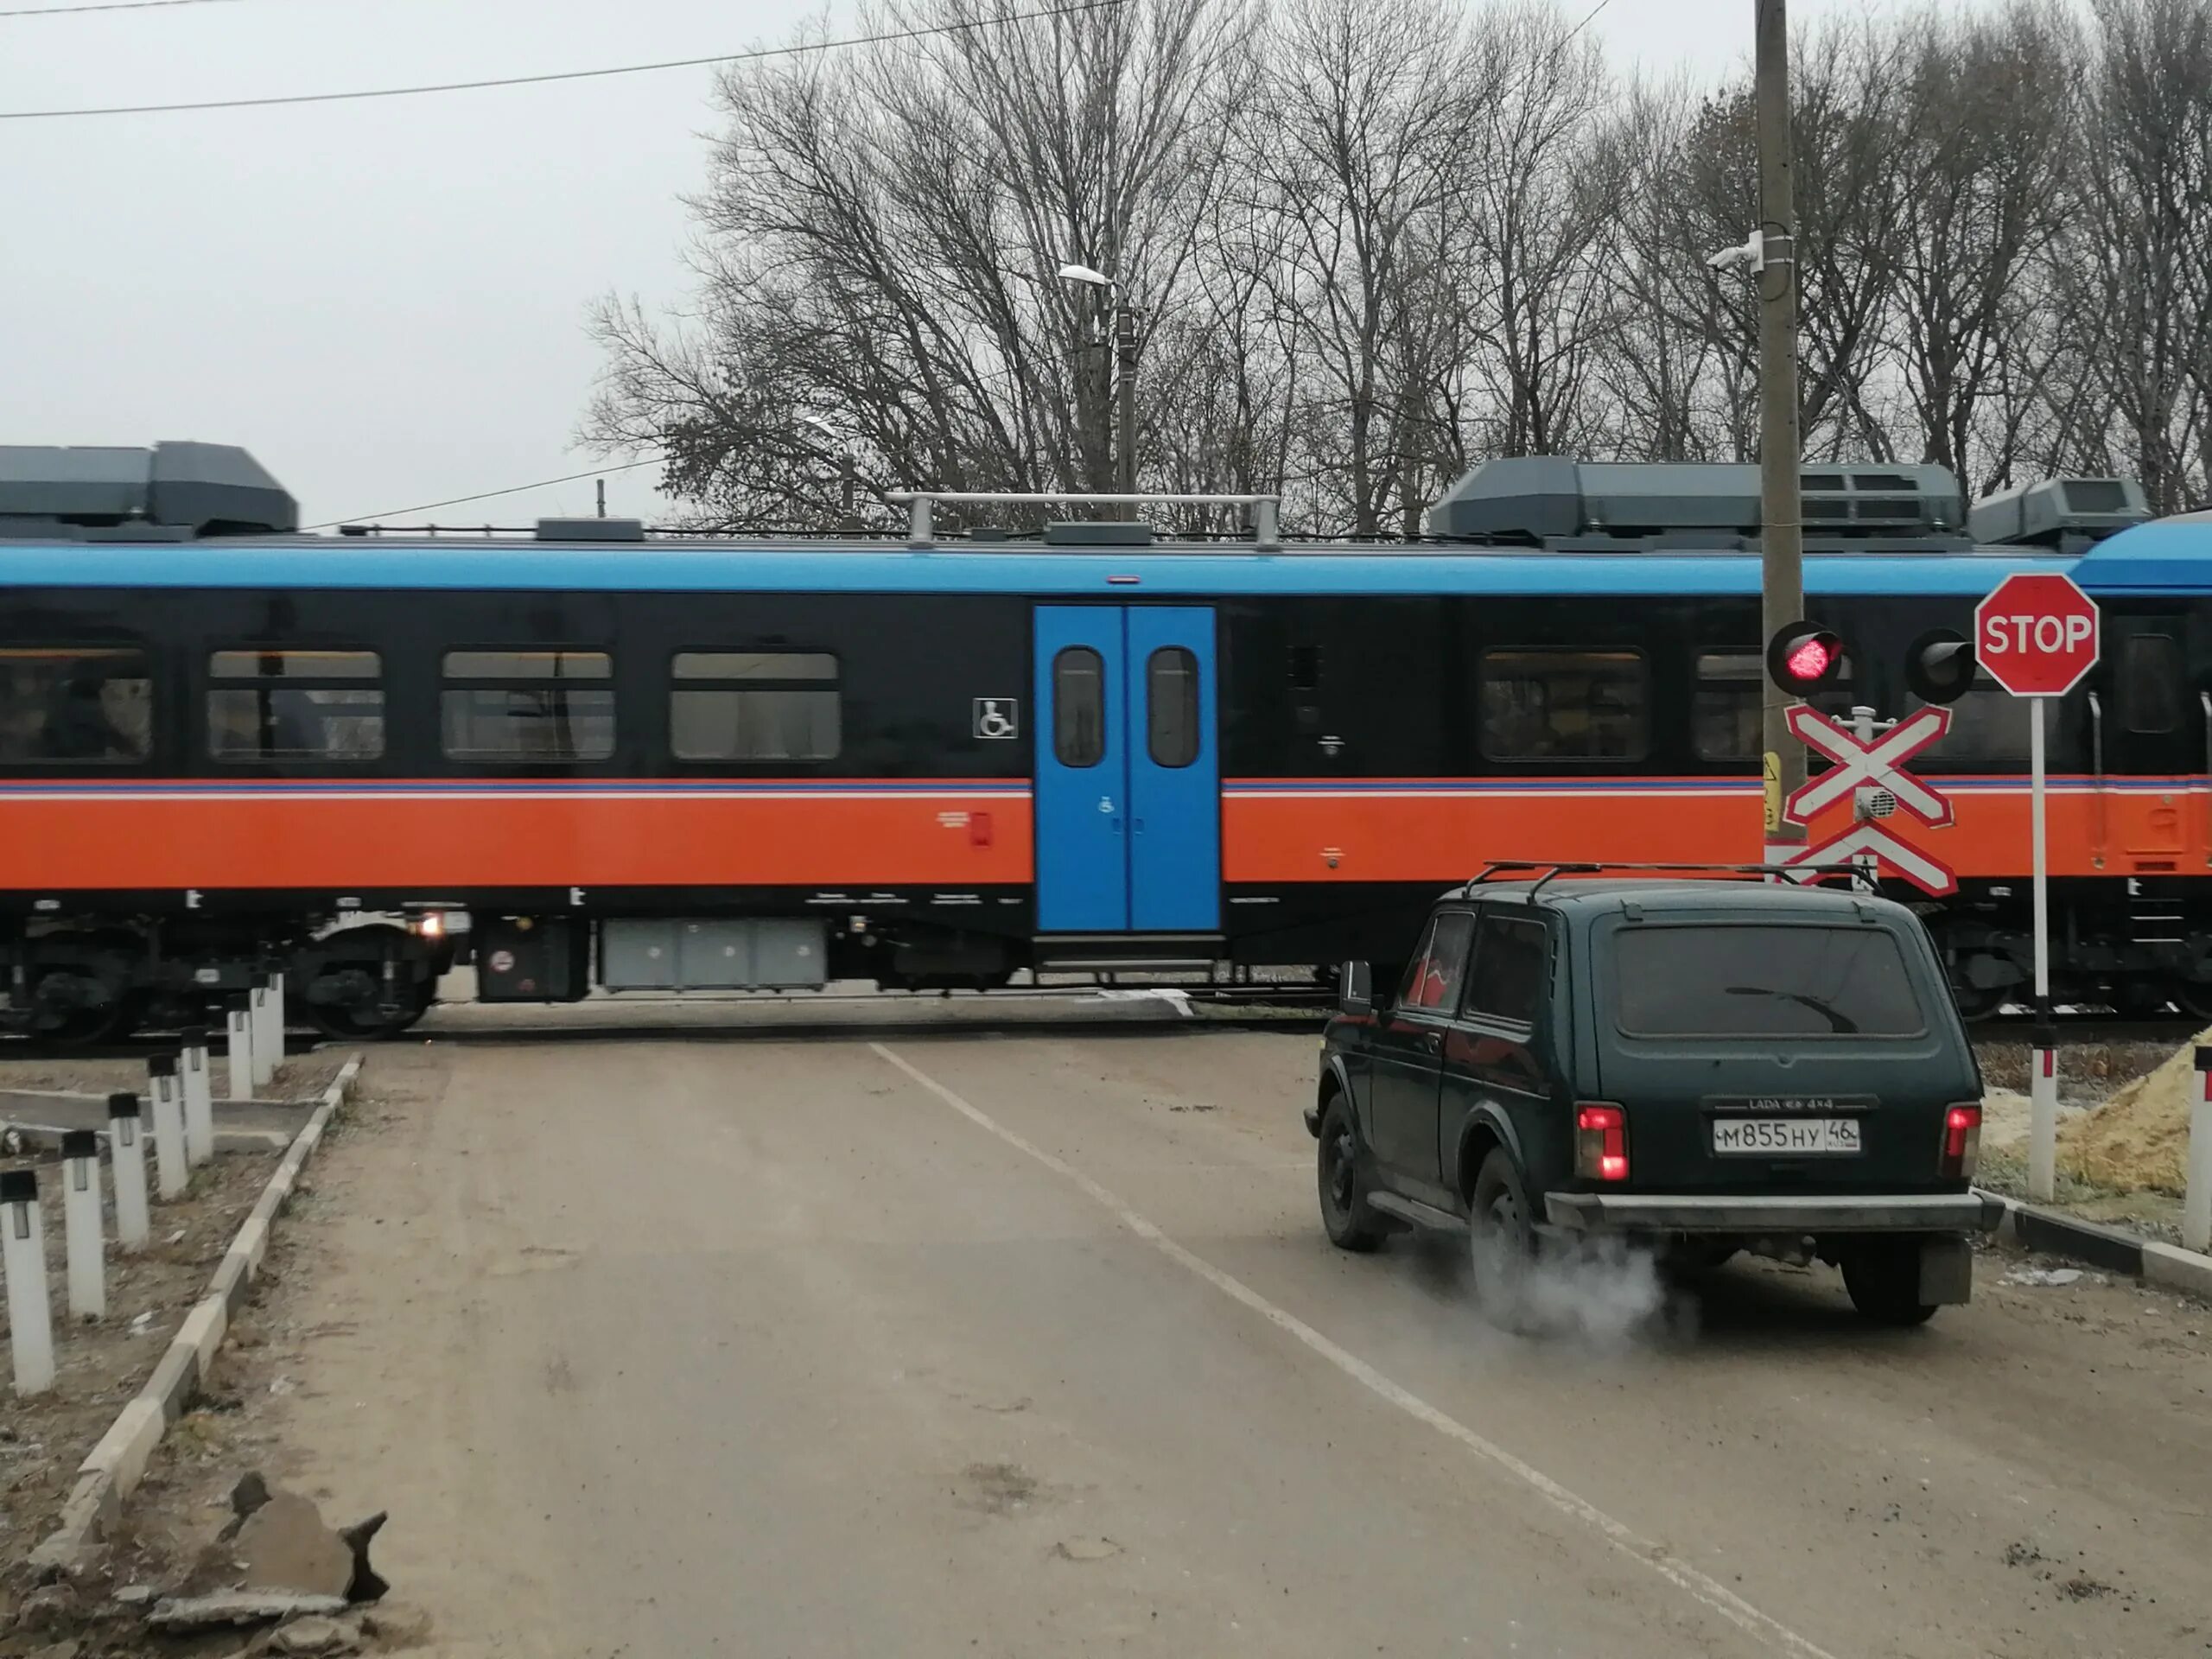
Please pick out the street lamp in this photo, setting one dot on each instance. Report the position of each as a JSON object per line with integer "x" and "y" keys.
{"x": 1125, "y": 357}
{"x": 848, "y": 520}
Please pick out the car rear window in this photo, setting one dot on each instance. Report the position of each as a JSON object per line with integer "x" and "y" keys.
{"x": 1764, "y": 980}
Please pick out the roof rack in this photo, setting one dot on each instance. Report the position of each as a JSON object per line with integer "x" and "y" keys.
{"x": 1554, "y": 869}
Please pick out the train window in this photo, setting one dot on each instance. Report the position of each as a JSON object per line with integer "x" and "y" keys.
{"x": 1170, "y": 695}
{"x": 1306, "y": 668}
{"x": 754, "y": 705}
{"x": 2150, "y": 684}
{"x": 1727, "y": 707}
{"x": 295, "y": 705}
{"x": 1989, "y": 732}
{"x": 518, "y": 709}
{"x": 1079, "y": 707}
{"x": 531, "y": 665}
{"x": 1725, "y": 713}
{"x": 89, "y": 705}
{"x": 1564, "y": 705}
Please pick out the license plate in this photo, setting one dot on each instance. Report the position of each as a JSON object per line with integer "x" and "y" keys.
{"x": 1787, "y": 1137}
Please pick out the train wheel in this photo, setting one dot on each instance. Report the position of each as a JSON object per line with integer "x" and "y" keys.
{"x": 1976, "y": 1003}
{"x": 346, "y": 1025}
{"x": 64, "y": 1026}
{"x": 83, "y": 1027}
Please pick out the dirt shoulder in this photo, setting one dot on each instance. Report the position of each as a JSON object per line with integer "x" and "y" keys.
{"x": 100, "y": 1365}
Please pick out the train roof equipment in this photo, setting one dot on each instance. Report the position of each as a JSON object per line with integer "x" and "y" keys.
{"x": 170, "y": 492}
{"x": 2064, "y": 514}
{"x": 1561, "y": 505}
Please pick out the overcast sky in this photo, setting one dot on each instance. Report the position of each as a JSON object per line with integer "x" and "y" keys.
{"x": 384, "y": 301}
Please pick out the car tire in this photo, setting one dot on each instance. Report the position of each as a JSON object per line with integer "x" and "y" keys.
{"x": 1350, "y": 1224}
{"x": 1882, "y": 1276}
{"x": 1502, "y": 1235}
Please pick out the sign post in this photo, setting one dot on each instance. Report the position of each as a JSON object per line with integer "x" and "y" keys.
{"x": 2036, "y": 634}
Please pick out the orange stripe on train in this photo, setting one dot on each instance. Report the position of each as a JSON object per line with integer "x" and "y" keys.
{"x": 424, "y": 842}
{"x": 1269, "y": 838}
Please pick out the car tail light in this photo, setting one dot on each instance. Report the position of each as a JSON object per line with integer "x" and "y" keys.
{"x": 1961, "y": 1141}
{"x": 1600, "y": 1141}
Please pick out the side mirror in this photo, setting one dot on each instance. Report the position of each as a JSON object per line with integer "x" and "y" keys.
{"x": 1356, "y": 989}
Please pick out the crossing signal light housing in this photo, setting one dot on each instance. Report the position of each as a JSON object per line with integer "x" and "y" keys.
{"x": 1802, "y": 658}
{"x": 1941, "y": 667}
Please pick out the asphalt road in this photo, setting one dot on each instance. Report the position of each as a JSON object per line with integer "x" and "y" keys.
{"x": 968, "y": 1339}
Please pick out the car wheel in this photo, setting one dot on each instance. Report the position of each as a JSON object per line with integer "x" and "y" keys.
{"x": 1503, "y": 1232}
{"x": 1883, "y": 1275}
{"x": 1344, "y": 1213}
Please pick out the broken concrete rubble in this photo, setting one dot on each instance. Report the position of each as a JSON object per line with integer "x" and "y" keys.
{"x": 237, "y": 1608}
{"x": 315, "y": 1635}
{"x": 284, "y": 1545}
{"x": 50, "y": 1610}
{"x": 277, "y": 1541}
{"x": 396, "y": 1624}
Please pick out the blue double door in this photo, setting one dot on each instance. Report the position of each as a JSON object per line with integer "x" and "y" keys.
{"x": 1129, "y": 775}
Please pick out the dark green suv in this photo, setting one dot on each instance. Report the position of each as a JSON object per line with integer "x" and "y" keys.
{"x": 1703, "y": 1066}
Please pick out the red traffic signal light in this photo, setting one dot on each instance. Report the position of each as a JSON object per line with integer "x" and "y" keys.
{"x": 1940, "y": 668}
{"x": 1802, "y": 658}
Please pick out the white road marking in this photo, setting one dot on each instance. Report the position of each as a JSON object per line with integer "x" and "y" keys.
{"x": 1656, "y": 1556}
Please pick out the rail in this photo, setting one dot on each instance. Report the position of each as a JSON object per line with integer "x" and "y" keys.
{"x": 920, "y": 504}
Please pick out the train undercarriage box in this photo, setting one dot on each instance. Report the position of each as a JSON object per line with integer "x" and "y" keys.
{"x": 712, "y": 954}
{"x": 532, "y": 959}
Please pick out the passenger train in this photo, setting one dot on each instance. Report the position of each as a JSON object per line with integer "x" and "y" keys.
{"x": 647, "y": 763}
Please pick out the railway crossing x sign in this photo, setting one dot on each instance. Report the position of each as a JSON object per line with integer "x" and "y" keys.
{"x": 1930, "y": 876}
{"x": 1870, "y": 763}
{"x": 1873, "y": 763}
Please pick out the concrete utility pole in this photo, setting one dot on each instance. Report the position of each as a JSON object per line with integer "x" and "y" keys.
{"x": 1783, "y": 575}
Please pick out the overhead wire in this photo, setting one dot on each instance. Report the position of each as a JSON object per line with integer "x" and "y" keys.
{"x": 486, "y": 495}
{"x": 797, "y": 50}
{"x": 107, "y": 5}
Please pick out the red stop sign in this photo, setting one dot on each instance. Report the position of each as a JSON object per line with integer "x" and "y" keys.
{"x": 2036, "y": 634}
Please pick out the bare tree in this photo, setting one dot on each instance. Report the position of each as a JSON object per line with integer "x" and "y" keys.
{"x": 1984, "y": 159}
{"x": 2146, "y": 243}
{"x": 1372, "y": 242}
{"x": 1354, "y": 152}
{"x": 1543, "y": 199}
{"x": 878, "y": 245}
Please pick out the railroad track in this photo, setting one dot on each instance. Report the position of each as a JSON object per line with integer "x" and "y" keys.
{"x": 2077, "y": 1026}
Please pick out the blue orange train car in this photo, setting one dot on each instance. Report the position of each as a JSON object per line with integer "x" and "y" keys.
{"x": 639, "y": 762}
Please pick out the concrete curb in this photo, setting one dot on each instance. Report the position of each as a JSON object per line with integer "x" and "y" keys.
{"x": 2167, "y": 1266}
{"x": 112, "y": 1471}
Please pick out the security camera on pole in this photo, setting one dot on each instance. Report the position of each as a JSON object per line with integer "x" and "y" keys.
{"x": 2036, "y": 634}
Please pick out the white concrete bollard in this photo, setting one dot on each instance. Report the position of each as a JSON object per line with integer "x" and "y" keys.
{"x": 197, "y": 1071}
{"x": 268, "y": 1045}
{"x": 81, "y": 1229}
{"x": 126, "y": 1150}
{"x": 165, "y": 1089}
{"x": 2197, "y": 1208}
{"x": 272, "y": 1051}
{"x": 2043, "y": 1113}
{"x": 239, "y": 1085}
{"x": 23, "y": 1259}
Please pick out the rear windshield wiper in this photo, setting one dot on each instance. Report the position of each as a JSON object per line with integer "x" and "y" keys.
{"x": 1842, "y": 1025}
